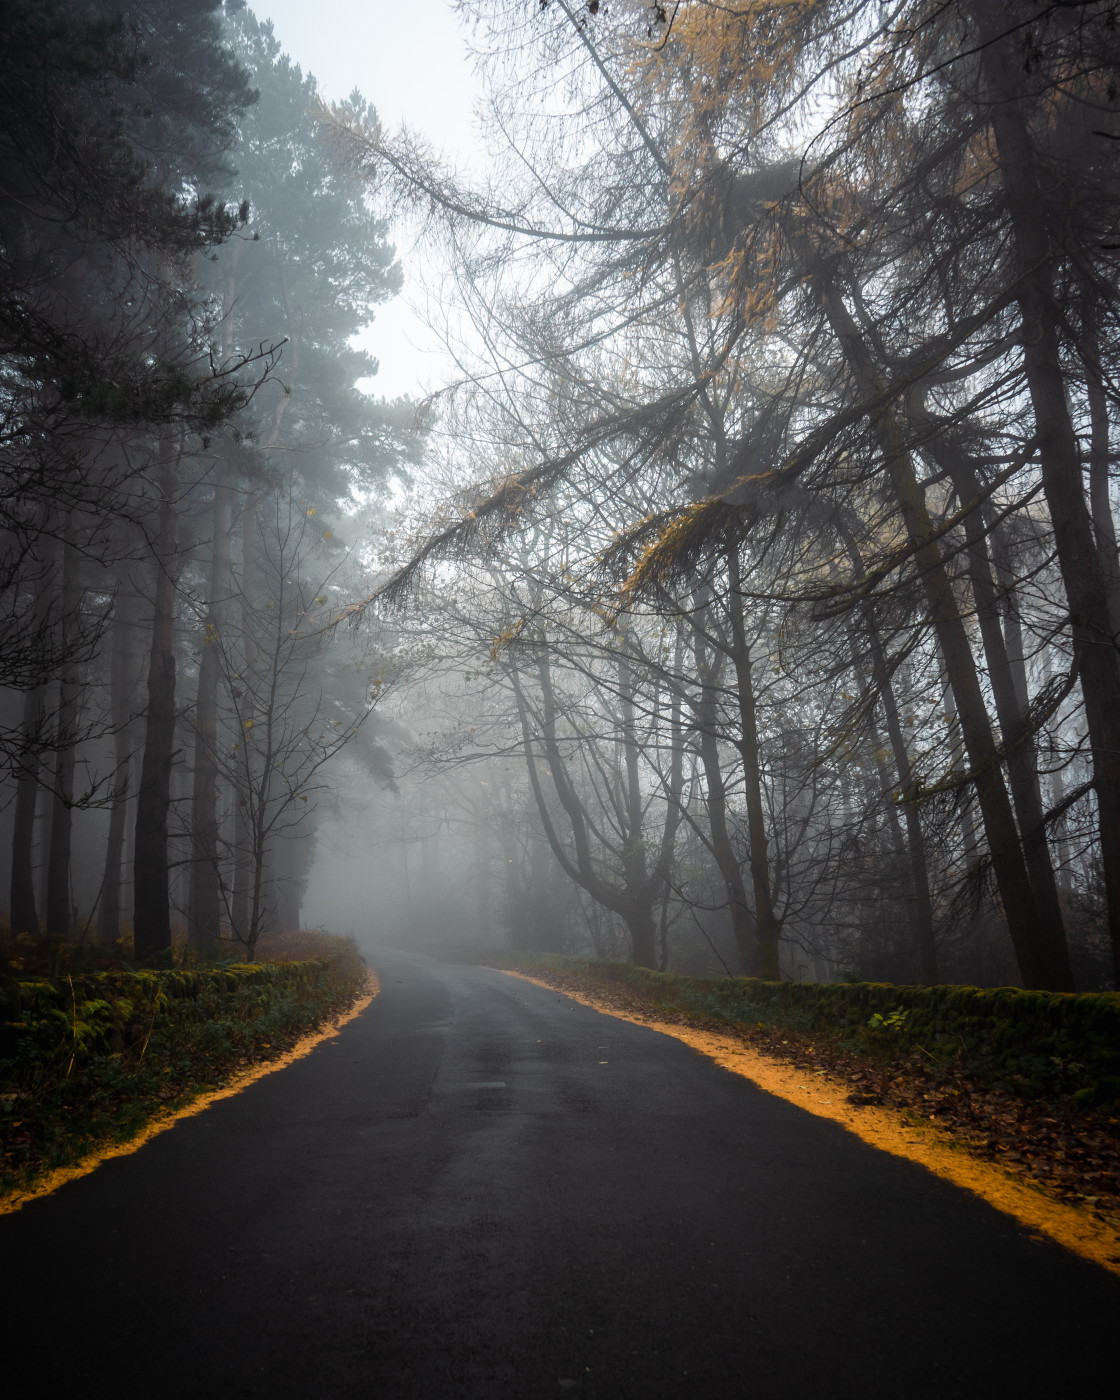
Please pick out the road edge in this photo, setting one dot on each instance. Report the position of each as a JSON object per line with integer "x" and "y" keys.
{"x": 48, "y": 1184}
{"x": 883, "y": 1128}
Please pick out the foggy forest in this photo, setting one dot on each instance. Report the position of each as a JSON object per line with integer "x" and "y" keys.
{"x": 744, "y": 600}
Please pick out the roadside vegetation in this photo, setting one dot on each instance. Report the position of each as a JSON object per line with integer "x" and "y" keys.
{"x": 92, "y": 1051}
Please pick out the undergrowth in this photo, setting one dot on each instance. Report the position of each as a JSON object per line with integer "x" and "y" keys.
{"x": 89, "y": 1057}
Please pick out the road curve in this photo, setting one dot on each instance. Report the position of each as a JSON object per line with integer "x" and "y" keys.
{"x": 483, "y": 1189}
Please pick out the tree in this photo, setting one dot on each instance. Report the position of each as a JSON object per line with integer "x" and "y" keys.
{"x": 280, "y": 722}
{"x": 309, "y": 269}
{"x": 780, "y": 257}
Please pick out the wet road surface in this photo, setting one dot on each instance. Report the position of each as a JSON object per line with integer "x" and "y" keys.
{"x": 483, "y": 1189}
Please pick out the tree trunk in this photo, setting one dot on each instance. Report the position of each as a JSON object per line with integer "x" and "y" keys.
{"x": 59, "y": 902}
{"x": 768, "y": 925}
{"x": 242, "y": 880}
{"x": 639, "y": 881}
{"x": 742, "y": 921}
{"x": 288, "y": 900}
{"x": 1086, "y": 584}
{"x": 204, "y": 899}
{"x": 123, "y": 678}
{"x": 643, "y": 934}
{"x": 1100, "y": 491}
{"x": 1041, "y": 956}
{"x": 294, "y": 856}
{"x": 152, "y": 911}
{"x": 24, "y": 914}
{"x": 919, "y": 903}
{"x": 260, "y": 912}
{"x": 244, "y": 832}
{"x": 1022, "y": 765}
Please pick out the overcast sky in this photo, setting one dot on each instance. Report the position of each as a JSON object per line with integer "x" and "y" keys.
{"x": 410, "y": 59}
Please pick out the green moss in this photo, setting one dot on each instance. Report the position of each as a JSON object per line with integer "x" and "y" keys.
{"x": 91, "y": 1058}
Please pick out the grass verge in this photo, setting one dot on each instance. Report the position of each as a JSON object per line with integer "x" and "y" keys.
{"x": 89, "y": 1060}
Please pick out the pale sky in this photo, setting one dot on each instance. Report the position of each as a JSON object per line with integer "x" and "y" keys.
{"x": 410, "y": 59}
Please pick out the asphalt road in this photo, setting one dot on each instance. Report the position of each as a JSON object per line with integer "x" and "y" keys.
{"x": 483, "y": 1189}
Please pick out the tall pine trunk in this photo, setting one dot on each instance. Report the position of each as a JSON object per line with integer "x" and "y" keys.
{"x": 204, "y": 900}
{"x": 152, "y": 903}
{"x": 24, "y": 913}
{"x": 123, "y": 678}
{"x": 244, "y": 829}
{"x": 59, "y": 901}
{"x": 23, "y": 905}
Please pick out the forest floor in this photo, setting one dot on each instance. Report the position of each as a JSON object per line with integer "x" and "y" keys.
{"x": 1068, "y": 1153}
